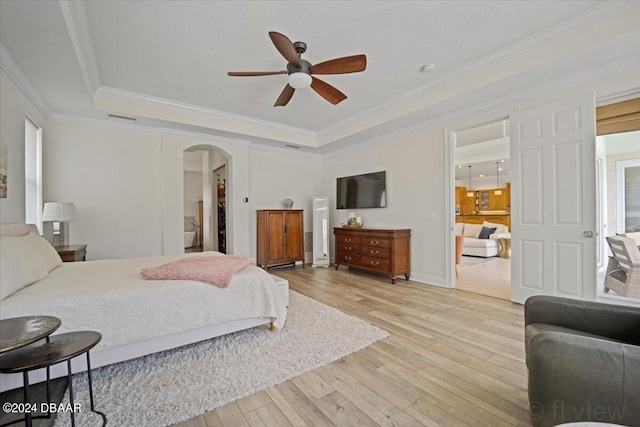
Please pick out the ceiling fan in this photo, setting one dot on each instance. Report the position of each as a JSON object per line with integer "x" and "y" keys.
{"x": 300, "y": 72}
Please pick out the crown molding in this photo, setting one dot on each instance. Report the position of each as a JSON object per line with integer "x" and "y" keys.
{"x": 563, "y": 83}
{"x": 81, "y": 120}
{"x": 624, "y": 95}
{"x": 15, "y": 73}
{"x": 72, "y": 119}
{"x": 196, "y": 135}
{"x": 590, "y": 16}
{"x": 75, "y": 18}
{"x": 286, "y": 150}
{"x": 191, "y": 108}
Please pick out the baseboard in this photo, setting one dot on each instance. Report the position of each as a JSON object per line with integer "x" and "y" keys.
{"x": 428, "y": 280}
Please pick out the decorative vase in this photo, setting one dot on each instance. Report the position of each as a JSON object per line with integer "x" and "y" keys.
{"x": 287, "y": 203}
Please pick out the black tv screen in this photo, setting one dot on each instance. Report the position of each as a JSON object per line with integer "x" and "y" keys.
{"x": 362, "y": 191}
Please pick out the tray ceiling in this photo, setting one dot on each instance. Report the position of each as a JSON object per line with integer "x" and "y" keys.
{"x": 180, "y": 51}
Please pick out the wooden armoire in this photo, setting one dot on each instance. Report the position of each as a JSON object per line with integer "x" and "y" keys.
{"x": 280, "y": 237}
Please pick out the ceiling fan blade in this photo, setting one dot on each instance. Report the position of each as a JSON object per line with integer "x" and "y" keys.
{"x": 327, "y": 91}
{"x": 284, "y": 97}
{"x": 254, "y": 73}
{"x": 285, "y": 47}
{"x": 347, "y": 64}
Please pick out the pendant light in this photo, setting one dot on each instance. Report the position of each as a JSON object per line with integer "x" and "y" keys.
{"x": 470, "y": 193}
{"x": 497, "y": 191}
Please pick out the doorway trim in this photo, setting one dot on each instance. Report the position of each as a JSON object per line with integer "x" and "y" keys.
{"x": 214, "y": 186}
{"x": 450, "y": 137}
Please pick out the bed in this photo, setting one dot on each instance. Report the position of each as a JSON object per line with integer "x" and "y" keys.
{"x": 136, "y": 317}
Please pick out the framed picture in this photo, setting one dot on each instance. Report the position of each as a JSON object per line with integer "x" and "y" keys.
{"x": 3, "y": 171}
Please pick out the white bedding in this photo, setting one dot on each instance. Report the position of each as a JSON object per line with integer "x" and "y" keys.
{"x": 112, "y": 298}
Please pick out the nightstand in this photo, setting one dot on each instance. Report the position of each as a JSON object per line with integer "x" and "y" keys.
{"x": 72, "y": 253}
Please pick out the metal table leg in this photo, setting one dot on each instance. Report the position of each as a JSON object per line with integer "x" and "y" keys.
{"x": 27, "y": 398}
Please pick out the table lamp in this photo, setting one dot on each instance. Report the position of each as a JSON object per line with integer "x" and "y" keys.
{"x": 61, "y": 213}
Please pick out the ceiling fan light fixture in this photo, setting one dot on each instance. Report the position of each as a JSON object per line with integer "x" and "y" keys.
{"x": 299, "y": 80}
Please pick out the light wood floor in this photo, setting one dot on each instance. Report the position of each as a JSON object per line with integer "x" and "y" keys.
{"x": 453, "y": 359}
{"x": 492, "y": 278}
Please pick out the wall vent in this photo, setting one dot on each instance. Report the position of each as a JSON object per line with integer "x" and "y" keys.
{"x": 116, "y": 116}
{"x": 292, "y": 146}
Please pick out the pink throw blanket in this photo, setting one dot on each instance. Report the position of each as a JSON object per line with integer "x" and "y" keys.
{"x": 214, "y": 270}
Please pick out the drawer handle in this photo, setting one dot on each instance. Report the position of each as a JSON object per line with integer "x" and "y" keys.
{"x": 347, "y": 240}
{"x": 375, "y": 242}
{"x": 375, "y": 262}
{"x": 374, "y": 252}
{"x": 347, "y": 257}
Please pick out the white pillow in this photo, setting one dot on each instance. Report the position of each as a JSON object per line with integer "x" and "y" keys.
{"x": 459, "y": 228}
{"x": 500, "y": 228}
{"x": 472, "y": 230}
{"x": 23, "y": 261}
{"x": 42, "y": 253}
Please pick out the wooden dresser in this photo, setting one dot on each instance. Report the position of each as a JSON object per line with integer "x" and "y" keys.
{"x": 280, "y": 237}
{"x": 374, "y": 250}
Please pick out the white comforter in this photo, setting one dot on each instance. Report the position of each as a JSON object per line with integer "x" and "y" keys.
{"x": 112, "y": 298}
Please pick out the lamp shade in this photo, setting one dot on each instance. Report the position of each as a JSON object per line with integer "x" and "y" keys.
{"x": 59, "y": 211}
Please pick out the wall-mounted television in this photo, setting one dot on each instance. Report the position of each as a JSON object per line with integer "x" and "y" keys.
{"x": 362, "y": 191}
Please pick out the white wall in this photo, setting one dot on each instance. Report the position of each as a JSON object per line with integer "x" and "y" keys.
{"x": 128, "y": 183}
{"x": 415, "y": 188}
{"x": 192, "y": 193}
{"x": 113, "y": 175}
{"x": 278, "y": 175}
{"x": 14, "y": 105}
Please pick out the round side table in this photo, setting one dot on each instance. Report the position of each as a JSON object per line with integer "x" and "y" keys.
{"x": 18, "y": 332}
{"x": 505, "y": 244}
{"x": 59, "y": 348}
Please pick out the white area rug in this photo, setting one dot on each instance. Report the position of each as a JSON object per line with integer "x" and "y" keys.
{"x": 179, "y": 384}
{"x": 470, "y": 261}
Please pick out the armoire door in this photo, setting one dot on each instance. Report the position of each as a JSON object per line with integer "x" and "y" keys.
{"x": 294, "y": 245}
{"x": 276, "y": 251}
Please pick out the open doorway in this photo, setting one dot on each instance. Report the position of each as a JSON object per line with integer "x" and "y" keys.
{"x": 619, "y": 204}
{"x": 482, "y": 204}
{"x": 205, "y": 186}
{"x": 193, "y": 200}
{"x": 618, "y": 201}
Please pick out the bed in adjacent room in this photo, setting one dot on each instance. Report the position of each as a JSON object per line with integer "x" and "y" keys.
{"x": 135, "y": 316}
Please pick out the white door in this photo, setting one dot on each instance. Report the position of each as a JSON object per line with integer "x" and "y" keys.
{"x": 553, "y": 205}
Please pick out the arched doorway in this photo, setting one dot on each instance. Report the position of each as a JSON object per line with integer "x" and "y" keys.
{"x": 236, "y": 155}
{"x": 205, "y": 183}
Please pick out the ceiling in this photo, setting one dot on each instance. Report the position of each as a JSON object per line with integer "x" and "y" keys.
{"x": 484, "y": 170}
{"x": 95, "y": 57}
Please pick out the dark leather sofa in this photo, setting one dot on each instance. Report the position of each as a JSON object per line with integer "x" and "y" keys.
{"x": 584, "y": 361}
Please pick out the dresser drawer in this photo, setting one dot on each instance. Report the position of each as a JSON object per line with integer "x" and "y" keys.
{"x": 376, "y": 252}
{"x": 375, "y": 242}
{"x": 352, "y": 249}
{"x": 347, "y": 258}
{"x": 375, "y": 263}
{"x": 348, "y": 239}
